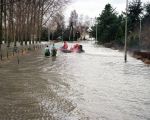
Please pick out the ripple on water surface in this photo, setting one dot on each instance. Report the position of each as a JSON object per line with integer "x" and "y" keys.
{"x": 95, "y": 85}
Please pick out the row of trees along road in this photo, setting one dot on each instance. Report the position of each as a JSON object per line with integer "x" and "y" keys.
{"x": 76, "y": 29}
{"x": 111, "y": 25}
{"x": 21, "y": 21}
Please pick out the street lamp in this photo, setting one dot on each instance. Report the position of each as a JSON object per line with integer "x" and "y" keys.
{"x": 126, "y": 34}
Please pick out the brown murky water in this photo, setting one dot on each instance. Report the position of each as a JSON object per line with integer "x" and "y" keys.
{"x": 95, "y": 85}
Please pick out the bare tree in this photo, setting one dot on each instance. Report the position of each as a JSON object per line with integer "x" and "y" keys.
{"x": 1, "y": 18}
{"x": 22, "y": 20}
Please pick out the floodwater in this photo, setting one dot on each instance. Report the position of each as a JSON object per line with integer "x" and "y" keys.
{"x": 95, "y": 85}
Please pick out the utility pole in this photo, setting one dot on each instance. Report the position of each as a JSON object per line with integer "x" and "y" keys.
{"x": 126, "y": 34}
{"x": 140, "y": 35}
{"x": 96, "y": 28}
{"x": 91, "y": 24}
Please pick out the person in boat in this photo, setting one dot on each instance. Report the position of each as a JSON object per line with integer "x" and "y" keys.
{"x": 47, "y": 51}
{"x": 53, "y": 50}
{"x": 80, "y": 49}
{"x": 75, "y": 48}
{"x": 65, "y": 46}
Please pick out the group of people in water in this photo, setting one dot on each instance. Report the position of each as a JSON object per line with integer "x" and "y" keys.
{"x": 53, "y": 51}
{"x": 76, "y": 48}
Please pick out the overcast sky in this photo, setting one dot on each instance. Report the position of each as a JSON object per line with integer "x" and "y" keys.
{"x": 93, "y": 8}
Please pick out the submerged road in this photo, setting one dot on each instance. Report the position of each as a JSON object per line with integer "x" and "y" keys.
{"x": 95, "y": 85}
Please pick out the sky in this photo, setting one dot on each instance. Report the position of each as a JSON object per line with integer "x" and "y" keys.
{"x": 93, "y": 8}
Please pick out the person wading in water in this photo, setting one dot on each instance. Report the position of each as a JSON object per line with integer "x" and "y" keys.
{"x": 47, "y": 51}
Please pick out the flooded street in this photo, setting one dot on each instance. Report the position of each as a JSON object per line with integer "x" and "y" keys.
{"x": 95, "y": 85}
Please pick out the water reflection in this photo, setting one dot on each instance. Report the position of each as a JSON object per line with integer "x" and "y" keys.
{"x": 95, "y": 85}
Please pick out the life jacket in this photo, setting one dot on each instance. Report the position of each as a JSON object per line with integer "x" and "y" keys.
{"x": 65, "y": 46}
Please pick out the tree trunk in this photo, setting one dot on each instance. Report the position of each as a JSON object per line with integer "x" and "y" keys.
{"x": 1, "y": 29}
